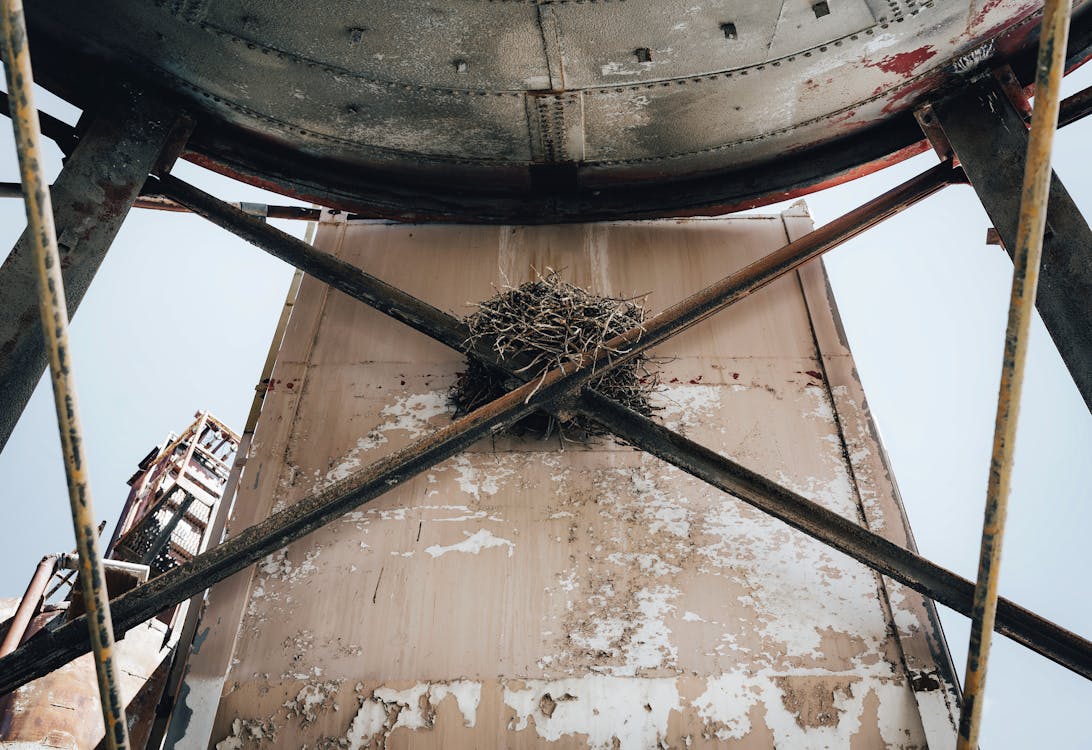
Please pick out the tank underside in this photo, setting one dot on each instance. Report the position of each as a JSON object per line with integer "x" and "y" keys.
{"x": 532, "y": 112}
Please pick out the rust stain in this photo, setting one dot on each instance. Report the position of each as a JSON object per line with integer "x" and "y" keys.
{"x": 905, "y": 63}
{"x": 811, "y": 699}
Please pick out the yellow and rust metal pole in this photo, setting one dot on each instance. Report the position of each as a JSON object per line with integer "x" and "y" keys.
{"x": 54, "y": 313}
{"x": 1025, "y": 279}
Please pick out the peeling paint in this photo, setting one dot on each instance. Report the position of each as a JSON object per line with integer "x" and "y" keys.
{"x": 414, "y": 708}
{"x": 612, "y": 712}
{"x": 473, "y": 544}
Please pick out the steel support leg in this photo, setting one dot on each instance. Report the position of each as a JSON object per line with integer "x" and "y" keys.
{"x": 91, "y": 198}
{"x": 990, "y": 139}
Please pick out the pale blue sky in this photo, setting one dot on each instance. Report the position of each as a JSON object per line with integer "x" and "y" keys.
{"x": 180, "y": 317}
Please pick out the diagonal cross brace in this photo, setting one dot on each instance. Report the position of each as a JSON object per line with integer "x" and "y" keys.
{"x": 50, "y": 650}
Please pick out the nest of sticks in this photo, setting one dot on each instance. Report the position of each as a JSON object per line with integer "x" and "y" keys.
{"x": 549, "y": 323}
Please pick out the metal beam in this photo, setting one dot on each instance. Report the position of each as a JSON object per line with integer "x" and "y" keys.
{"x": 91, "y": 199}
{"x": 58, "y": 131}
{"x": 160, "y": 203}
{"x": 990, "y": 139}
{"x": 1075, "y": 107}
{"x": 1055, "y": 642}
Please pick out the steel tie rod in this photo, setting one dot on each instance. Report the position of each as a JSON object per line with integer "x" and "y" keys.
{"x": 54, "y": 313}
{"x": 1025, "y": 280}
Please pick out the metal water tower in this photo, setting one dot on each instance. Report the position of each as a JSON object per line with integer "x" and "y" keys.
{"x": 736, "y": 570}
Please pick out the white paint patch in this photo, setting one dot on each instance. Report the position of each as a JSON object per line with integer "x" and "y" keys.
{"x": 473, "y": 544}
{"x": 413, "y": 413}
{"x": 795, "y": 576}
{"x": 612, "y": 712}
{"x": 410, "y": 414}
{"x": 937, "y": 719}
{"x": 475, "y": 478}
{"x": 725, "y": 705}
{"x": 278, "y": 567}
{"x": 686, "y": 406}
{"x": 638, "y": 639}
{"x": 313, "y": 698}
{"x": 467, "y": 696}
{"x": 247, "y": 731}
{"x": 905, "y": 617}
{"x": 413, "y": 709}
{"x": 370, "y": 720}
{"x": 648, "y": 563}
{"x": 822, "y": 409}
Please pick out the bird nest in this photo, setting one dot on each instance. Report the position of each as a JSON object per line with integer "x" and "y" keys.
{"x": 549, "y": 323}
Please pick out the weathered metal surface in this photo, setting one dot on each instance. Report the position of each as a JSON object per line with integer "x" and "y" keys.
{"x": 29, "y": 606}
{"x": 990, "y": 139}
{"x": 166, "y": 717}
{"x": 91, "y": 198}
{"x": 1075, "y": 107}
{"x": 1027, "y": 256}
{"x": 53, "y": 310}
{"x": 58, "y": 131}
{"x": 1045, "y": 637}
{"x": 530, "y": 592}
{"x": 536, "y": 112}
{"x": 61, "y": 709}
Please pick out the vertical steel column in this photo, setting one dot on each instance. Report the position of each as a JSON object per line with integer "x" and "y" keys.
{"x": 1025, "y": 279}
{"x": 130, "y": 134}
{"x": 54, "y": 314}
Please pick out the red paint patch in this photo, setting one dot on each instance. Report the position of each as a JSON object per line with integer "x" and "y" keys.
{"x": 904, "y": 63}
{"x": 814, "y": 374}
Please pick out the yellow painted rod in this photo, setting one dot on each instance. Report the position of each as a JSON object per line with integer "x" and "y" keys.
{"x": 1025, "y": 280}
{"x": 54, "y": 313}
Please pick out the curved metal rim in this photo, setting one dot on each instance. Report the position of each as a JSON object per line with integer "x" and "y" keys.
{"x": 374, "y": 193}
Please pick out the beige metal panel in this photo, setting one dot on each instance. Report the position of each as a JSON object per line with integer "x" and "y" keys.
{"x": 210, "y": 657}
{"x": 529, "y": 592}
{"x": 61, "y": 710}
{"x": 921, "y": 640}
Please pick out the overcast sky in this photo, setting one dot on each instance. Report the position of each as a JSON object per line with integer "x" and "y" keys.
{"x": 181, "y": 314}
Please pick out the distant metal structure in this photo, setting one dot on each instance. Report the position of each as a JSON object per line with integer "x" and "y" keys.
{"x": 574, "y": 111}
{"x": 166, "y": 521}
{"x": 174, "y": 496}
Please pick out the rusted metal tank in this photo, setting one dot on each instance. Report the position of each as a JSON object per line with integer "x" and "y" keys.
{"x": 551, "y": 593}
{"x": 61, "y": 710}
{"x": 535, "y": 112}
